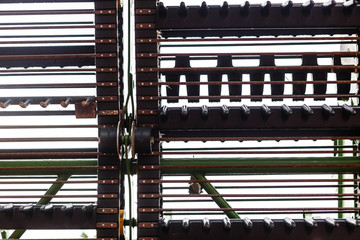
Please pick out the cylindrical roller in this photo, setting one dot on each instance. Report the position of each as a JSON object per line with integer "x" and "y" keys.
{"x": 107, "y": 143}
{"x": 142, "y": 140}
{"x": 258, "y": 76}
{"x": 342, "y": 75}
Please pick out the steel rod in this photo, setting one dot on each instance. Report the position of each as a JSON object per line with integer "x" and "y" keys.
{"x": 252, "y": 148}
{"x": 298, "y": 54}
{"x": 250, "y": 152}
{"x": 55, "y": 12}
{"x": 151, "y": 84}
{"x": 262, "y": 186}
{"x": 53, "y": 126}
{"x": 64, "y": 139}
{"x": 295, "y": 195}
{"x": 258, "y": 68}
{"x": 257, "y": 209}
{"x": 152, "y": 98}
{"x": 247, "y": 39}
{"x": 57, "y": 70}
{"x": 53, "y": 41}
{"x": 256, "y": 200}
{"x": 221, "y": 139}
{"x": 259, "y": 165}
{"x": 157, "y": 181}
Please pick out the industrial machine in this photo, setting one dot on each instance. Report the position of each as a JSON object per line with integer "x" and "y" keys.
{"x": 192, "y": 120}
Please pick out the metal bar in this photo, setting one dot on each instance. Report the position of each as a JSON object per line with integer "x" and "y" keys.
{"x": 220, "y": 139}
{"x": 250, "y": 152}
{"x": 54, "y": 12}
{"x": 73, "y": 139}
{"x": 262, "y": 186}
{"x": 220, "y": 201}
{"x": 256, "y": 199}
{"x": 151, "y": 84}
{"x": 53, "y": 190}
{"x": 58, "y": 70}
{"x": 268, "y": 210}
{"x": 245, "y": 39}
{"x": 298, "y": 54}
{"x": 104, "y": 41}
{"x": 53, "y": 126}
{"x": 105, "y": 26}
{"x": 152, "y": 98}
{"x": 213, "y": 195}
{"x": 257, "y": 148}
{"x": 259, "y": 165}
{"x": 56, "y": 56}
{"x": 152, "y": 181}
{"x": 57, "y": 85}
{"x": 55, "y": 155}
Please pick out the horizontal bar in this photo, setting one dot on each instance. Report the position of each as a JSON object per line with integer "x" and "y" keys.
{"x": 59, "y": 196}
{"x": 151, "y": 98}
{"x": 151, "y": 84}
{"x": 109, "y": 181}
{"x": 268, "y": 210}
{"x": 56, "y": 56}
{"x": 266, "y": 186}
{"x": 57, "y": 70}
{"x": 105, "y": 26}
{"x": 249, "y": 152}
{"x": 104, "y": 41}
{"x": 313, "y": 195}
{"x": 345, "y": 54}
{"x": 53, "y": 126}
{"x": 258, "y": 68}
{"x": 245, "y": 39}
{"x": 55, "y": 12}
{"x": 58, "y": 100}
{"x": 157, "y": 181}
{"x": 259, "y": 199}
{"x": 258, "y": 165}
{"x": 52, "y": 155}
{"x": 63, "y": 139}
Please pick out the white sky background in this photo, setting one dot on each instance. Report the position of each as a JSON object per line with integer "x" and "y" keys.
{"x": 86, "y": 79}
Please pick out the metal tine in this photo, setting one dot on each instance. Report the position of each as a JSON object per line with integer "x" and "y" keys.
{"x": 25, "y": 104}
{"x": 47, "y": 208}
{"x": 88, "y": 209}
{"x": 310, "y": 223}
{"x": 183, "y": 10}
{"x": 162, "y": 10}
{"x": 244, "y": 8}
{"x": 206, "y": 223}
{"x": 285, "y": 7}
{"x": 164, "y": 223}
{"x": 257, "y": 89}
{"x": 349, "y": 5}
{"x": 164, "y": 112}
{"x": 269, "y": 224}
{"x": 184, "y": 112}
{"x": 203, "y": 10}
{"x": 307, "y": 6}
{"x": 216, "y": 76}
{"x": 327, "y": 6}
{"x": 29, "y": 208}
{"x": 68, "y": 209}
{"x": 224, "y": 9}
{"x": 331, "y": 223}
{"x": 289, "y": 223}
{"x": 265, "y": 8}
{"x": 227, "y": 223}
{"x": 65, "y": 103}
{"x": 265, "y": 111}
{"x": 46, "y": 103}
{"x": 87, "y": 102}
{"x": 351, "y": 222}
{"x": 224, "y": 112}
{"x": 5, "y": 104}
{"x": 306, "y": 111}
{"x": 327, "y": 111}
{"x": 8, "y": 208}
{"x": 286, "y": 111}
{"x": 248, "y": 223}
{"x": 245, "y": 111}
{"x": 348, "y": 111}
{"x": 185, "y": 224}
{"x": 204, "y": 112}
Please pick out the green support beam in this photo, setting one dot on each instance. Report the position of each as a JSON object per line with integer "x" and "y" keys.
{"x": 294, "y": 165}
{"x": 220, "y": 201}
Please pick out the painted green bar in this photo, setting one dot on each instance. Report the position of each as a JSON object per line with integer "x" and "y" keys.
{"x": 6, "y": 165}
{"x": 260, "y": 165}
{"x": 53, "y": 190}
{"x": 220, "y": 201}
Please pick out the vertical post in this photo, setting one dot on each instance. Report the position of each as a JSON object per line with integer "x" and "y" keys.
{"x": 340, "y": 142}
